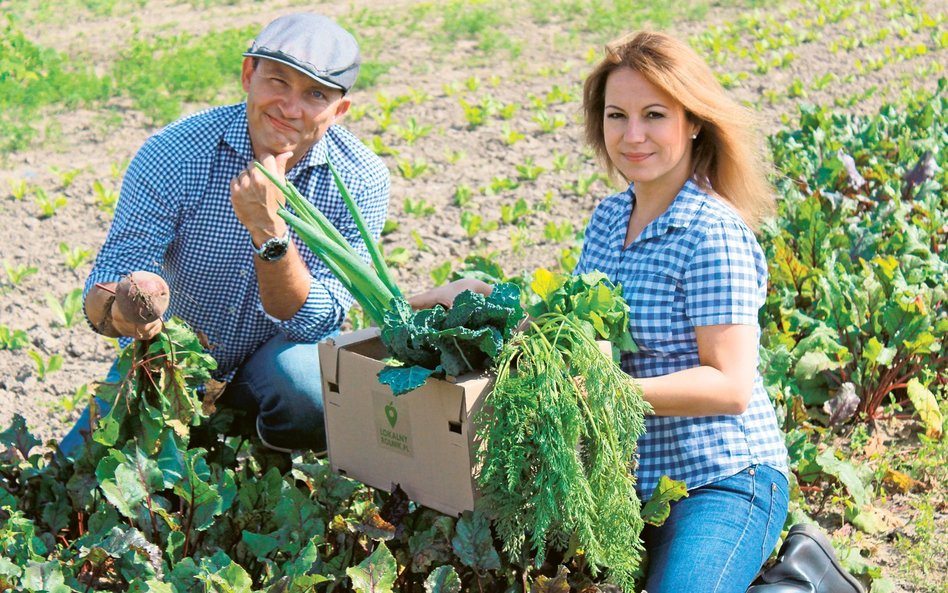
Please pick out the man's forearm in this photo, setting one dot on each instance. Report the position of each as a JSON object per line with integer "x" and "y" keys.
{"x": 284, "y": 284}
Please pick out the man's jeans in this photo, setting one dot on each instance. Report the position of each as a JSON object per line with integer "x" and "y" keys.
{"x": 717, "y": 538}
{"x": 280, "y": 382}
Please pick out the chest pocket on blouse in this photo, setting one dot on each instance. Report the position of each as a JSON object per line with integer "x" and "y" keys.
{"x": 656, "y": 312}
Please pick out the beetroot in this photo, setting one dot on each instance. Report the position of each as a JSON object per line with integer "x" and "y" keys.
{"x": 142, "y": 297}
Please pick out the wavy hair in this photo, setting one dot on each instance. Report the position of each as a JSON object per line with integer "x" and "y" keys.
{"x": 728, "y": 156}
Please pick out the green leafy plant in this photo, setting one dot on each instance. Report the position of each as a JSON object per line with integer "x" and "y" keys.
{"x": 379, "y": 147}
{"x": 558, "y": 233}
{"x": 454, "y": 156}
{"x": 560, "y": 162}
{"x": 510, "y": 136}
{"x": 474, "y": 114}
{"x": 412, "y": 131}
{"x": 19, "y": 189}
{"x": 418, "y": 207}
{"x": 45, "y": 366}
{"x": 161, "y": 74}
{"x": 75, "y": 256}
{"x": 436, "y": 342}
{"x": 18, "y": 273}
{"x": 69, "y": 310}
{"x": 548, "y": 123}
{"x": 529, "y": 171}
{"x": 583, "y": 185}
{"x": 411, "y": 169}
{"x": 105, "y": 198}
{"x": 441, "y": 273}
{"x": 66, "y": 177}
{"x": 874, "y": 317}
{"x": 12, "y": 339}
{"x": 557, "y": 394}
{"x": 473, "y": 224}
{"x": 516, "y": 212}
{"x": 463, "y": 194}
{"x": 48, "y": 205}
{"x": 502, "y": 184}
{"x": 472, "y": 83}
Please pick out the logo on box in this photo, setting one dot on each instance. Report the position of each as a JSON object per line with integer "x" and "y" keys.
{"x": 393, "y": 430}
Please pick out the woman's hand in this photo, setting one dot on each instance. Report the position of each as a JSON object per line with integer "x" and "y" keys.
{"x": 444, "y": 295}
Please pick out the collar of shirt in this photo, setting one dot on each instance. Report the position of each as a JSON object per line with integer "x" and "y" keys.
{"x": 682, "y": 211}
{"x": 237, "y": 136}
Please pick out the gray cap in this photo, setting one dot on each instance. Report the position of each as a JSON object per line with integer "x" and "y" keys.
{"x": 313, "y": 44}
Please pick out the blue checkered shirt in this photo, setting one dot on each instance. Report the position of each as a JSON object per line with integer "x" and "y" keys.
{"x": 174, "y": 217}
{"x": 696, "y": 264}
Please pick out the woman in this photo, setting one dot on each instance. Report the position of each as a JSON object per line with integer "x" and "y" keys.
{"x": 680, "y": 242}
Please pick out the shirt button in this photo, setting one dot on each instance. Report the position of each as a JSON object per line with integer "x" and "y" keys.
{"x": 243, "y": 272}
{"x": 752, "y": 472}
{"x": 232, "y": 310}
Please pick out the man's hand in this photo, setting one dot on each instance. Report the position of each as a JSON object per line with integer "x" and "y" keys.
{"x": 107, "y": 317}
{"x": 256, "y": 200}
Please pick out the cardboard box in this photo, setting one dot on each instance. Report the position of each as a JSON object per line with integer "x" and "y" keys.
{"x": 423, "y": 440}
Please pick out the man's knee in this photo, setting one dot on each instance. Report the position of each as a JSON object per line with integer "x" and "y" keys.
{"x": 296, "y": 371}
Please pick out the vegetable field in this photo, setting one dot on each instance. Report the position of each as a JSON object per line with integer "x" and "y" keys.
{"x": 474, "y": 106}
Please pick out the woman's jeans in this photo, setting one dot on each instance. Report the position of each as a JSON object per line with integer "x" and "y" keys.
{"x": 280, "y": 382}
{"x": 716, "y": 539}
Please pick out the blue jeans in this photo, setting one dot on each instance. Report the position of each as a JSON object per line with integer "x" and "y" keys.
{"x": 280, "y": 382}
{"x": 716, "y": 540}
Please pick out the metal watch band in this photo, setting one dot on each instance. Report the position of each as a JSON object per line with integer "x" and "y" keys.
{"x": 273, "y": 249}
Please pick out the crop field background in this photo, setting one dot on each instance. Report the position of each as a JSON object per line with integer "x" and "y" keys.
{"x": 475, "y": 108}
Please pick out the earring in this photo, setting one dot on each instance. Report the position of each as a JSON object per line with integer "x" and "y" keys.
{"x": 694, "y": 136}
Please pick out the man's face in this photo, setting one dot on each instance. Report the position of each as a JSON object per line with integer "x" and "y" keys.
{"x": 287, "y": 110}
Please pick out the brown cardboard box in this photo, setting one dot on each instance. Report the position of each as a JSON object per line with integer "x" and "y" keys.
{"x": 422, "y": 440}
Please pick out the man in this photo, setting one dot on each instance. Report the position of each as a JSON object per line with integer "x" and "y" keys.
{"x": 194, "y": 209}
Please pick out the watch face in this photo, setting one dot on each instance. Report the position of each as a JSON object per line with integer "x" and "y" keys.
{"x": 273, "y": 249}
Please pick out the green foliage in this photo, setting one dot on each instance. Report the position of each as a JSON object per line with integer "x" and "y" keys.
{"x": 12, "y": 339}
{"x": 45, "y": 366}
{"x": 33, "y": 77}
{"x": 158, "y": 500}
{"x": 105, "y": 198}
{"x": 434, "y": 342}
{"x": 658, "y": 507}
{"x": 69, "y": 310}
{"x": 75, "y": 256}
{"x": 411, "y": 169}
{"x": 858, "y": 259}
{"x": 594, "y": 303}
{"x": 48, "y": 205}
{"x": 161, "y": 75}
{"x": 18, "y": 273}
{"x": 559, "y": 430}
{"x": 412, "y": 131}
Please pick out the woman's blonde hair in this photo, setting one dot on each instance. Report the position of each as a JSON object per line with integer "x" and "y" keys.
{"x": 727, "y": 156}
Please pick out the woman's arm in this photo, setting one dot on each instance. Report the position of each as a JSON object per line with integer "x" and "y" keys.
{"x": 722, "y": 385}
{"x": 444, "y": 295}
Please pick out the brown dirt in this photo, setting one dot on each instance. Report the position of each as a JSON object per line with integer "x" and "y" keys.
{"x": 100, "y": 140}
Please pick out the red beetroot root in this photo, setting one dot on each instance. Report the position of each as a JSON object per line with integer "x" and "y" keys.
{"x": 142, "y": 297}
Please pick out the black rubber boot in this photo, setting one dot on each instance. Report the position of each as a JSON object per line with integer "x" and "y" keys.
{"x": 806, "y": 563}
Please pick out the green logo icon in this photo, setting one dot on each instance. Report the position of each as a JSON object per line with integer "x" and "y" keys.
{"x": 392, "y": 414}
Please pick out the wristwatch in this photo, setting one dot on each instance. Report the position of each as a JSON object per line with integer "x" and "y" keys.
{"x": 273, "y": 249}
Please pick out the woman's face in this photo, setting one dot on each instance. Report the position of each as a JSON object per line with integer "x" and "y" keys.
{"x": 647, "y": 134}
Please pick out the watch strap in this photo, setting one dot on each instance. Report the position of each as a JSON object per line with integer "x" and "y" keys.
{"x": 273, "y": 249}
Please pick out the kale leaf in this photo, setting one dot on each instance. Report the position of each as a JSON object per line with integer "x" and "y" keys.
{"x": 438, "y": 342}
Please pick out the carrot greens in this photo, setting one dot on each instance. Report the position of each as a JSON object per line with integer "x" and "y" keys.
{"x": 559, "y": 430}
